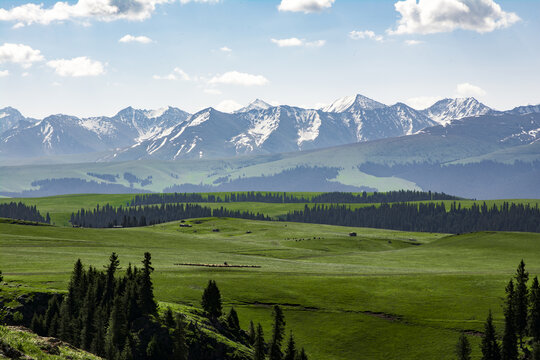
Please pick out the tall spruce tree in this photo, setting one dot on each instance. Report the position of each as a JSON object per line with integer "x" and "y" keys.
{"x": 521, "y": 301}
{"x": 509, "y": 341}
{"x": 180, "y": 347}
{"x": 232, "y": 321}
{"x": 302, "y": 355}
{"x": 252, "y": 334}
{"x": 290, "y": 351}
{"x": 147, "y": 303}
{"x": 534, "y": 314}
{"x": 278, "y": 329}
{"x": 259, "y": 353}
{"x": 490, "y": 347}
{"x": 463, "y": 348}
{"x": 211, "y": 300}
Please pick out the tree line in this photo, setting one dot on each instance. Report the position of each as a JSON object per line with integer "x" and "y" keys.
{"x": 521, "y": 333}
{"x": 110, "y": 216}
{"x": 424, "y": 217}
{"x": 284, "y": 197}
{"x": 116, "y": 317}
{"x": 22, "y": 211}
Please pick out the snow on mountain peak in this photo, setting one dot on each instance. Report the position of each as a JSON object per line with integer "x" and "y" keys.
{"x": 152, "y": 114}
{"x": 257, "y": 104}
{"x": 446, "y": 110}
{"x": 353, "y": 102}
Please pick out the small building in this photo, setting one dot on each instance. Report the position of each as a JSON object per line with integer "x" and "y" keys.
{"x": 352, "y": 234}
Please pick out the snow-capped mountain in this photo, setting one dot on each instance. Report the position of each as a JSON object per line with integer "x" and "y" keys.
{"x": 445, "y": 111}
{"x": 258, "y": 104}
{"x": 63, "y": 134}
{"x": 524, "y": 110}
{"x": 353, "y": 103}
{"x": 9, "y": 118}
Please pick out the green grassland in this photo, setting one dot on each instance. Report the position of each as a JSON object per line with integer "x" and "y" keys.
{"x": 381, "y": 295}
{"x": 60, "y": 207}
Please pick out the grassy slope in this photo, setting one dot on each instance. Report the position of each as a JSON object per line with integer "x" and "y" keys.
{"x": 331, "y": 286}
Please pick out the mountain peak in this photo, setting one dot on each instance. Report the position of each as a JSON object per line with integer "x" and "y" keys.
{"x": 446, "y": 110}
{"x": 353, "y": 102}
{"x": 257, "y": 104}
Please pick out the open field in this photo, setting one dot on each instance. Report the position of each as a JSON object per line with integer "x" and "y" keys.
{"x": 60, "y": 207}
{"x": 382, "y": 295}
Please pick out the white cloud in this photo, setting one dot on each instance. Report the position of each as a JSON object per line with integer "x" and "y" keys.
{"x": 296, "y": 42}
{"x": 433, "y": 16}
{"x": 20, "y": 54}
{"x": 239, "y": 78}
{"x": 4, "y": 73}
{"x": 469, "y": 90}
{"x": 212, "y": 91}
{"x": 140, "y": 39}
{"x": 228, "y": 106}
{"x": 25, "y": 74}
{"x": 305, "y": 6}
{"x": 77, "y": 67}
{"x": 177, "y": 74}
{"x": 101, "y": 10}
{"x": 413, "y": 42}
{"x": 422, "y": 102}
{"x": 365, "y": 34}
{"x": 225, "y": 49}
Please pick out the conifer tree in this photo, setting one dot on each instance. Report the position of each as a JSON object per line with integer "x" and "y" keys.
{"x": 463, "y": 348}
{"x": 536, "y": 351}
{"x": 168, "y": 318}
{"x": 252, "y": 334}
{"x": 180, "y": 347}
{"x": 534, "y": 314}
{"x": 521, "y": 301}
{"x": 232, "y": 320}
{"x": 259, "y": 353}
{"x": 146, "y": 289}
{"x": 278, "y": 329}
{"x": 211, "y": 300}
{"x": 302, "y": 355}
{"x": 490, "y": 347}
{"x": 509, "y": 341}
{"x": 290, "y": 352}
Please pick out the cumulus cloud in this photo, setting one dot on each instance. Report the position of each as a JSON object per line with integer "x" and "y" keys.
{"x": 296, "y": 42}
{"x": 228, "y": 106}
{"x": 434, "y": 16}
{"x": 139, "y": 39}
{"x": 176, "y": 74}
{"x": 305, "y": 6}
{"x": 468, "y": 90}
{"x": 77, "y": 67}
{"x": 20, "y": 54}
{"x": 212, "y": 91}
{"x": 225, "y": 49}
{"x": 4, "y": 73}
{"x": 365, "y": 34}
{"x": 239, "y": 78}
{"x": 413, "y": 42}
{"x": 101, "y": 10}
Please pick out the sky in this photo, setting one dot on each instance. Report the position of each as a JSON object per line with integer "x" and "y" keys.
{"x": 95, "y": 57}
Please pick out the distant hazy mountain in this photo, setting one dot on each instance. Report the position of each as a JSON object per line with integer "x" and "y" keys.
{"x": 353, "y": 103}
{"x": 447, "y": 110}
{"x": 9, "y": 118}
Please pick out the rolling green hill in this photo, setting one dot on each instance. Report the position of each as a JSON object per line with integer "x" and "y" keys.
{"x": 380, "y": 295}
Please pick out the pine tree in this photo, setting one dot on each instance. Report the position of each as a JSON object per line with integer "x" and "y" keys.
{"x": 509, "y": 343}
{"x": 290, "y": 352}
{"x": 302, "y": 355}
{"x": 278, "y": 329}
{"x": 232, "y": 321}
{"x": 521, "y": 301}
{"x": 146, "y": 290}
{"x": 211, "y": 300}
{"x": 259, "y": 353}
{"x": 168, "y": 318}
{"x": 536, "y": 351}
{"x": 180, "y": 347}
{"x": 534, "y": 314}
{"x": 463, "y": 348}
{"x": 251, "y": 333}
{"x": 490, "y": 347}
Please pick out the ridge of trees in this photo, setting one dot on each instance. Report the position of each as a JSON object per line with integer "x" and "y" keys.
{"x": 22, "y": 211}
{"x": 284, "y": 197}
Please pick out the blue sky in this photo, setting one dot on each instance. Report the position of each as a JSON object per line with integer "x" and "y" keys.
{"x": 68, "y": 58}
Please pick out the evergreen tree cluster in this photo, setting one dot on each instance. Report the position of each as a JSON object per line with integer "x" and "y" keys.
{"x": 284, "y": 197}
{"x": 21, "y": 211}
{"x": 112, "y": 316}
{"x": 426, "y": 217}
{"x": 521, "y": 320}
{"x": 110, "y": 216}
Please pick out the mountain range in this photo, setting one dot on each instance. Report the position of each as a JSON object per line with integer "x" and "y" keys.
{"x": 258, "y": 128}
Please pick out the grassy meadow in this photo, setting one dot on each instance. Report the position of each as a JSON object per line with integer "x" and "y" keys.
{"x": 381, "y": 295}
